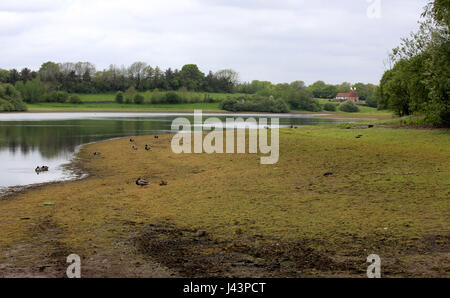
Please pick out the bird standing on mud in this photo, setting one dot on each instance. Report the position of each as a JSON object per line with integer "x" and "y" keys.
{"x": 147, "y": 147}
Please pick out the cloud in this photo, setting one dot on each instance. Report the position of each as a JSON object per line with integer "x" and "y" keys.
{"x": 281, "y": 40}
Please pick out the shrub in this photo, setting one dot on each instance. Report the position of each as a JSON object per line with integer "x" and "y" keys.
{"x": 330, "y": 107}
{"x": 10, "y": 99}
{"x": 172, "y": 98}
{"x": 372, "y": 102}
{"x": 254, "y": 104}
{"x": 75, "y": 99}
{"x": 119, "y": 97}
{"x": 349, "y": 107}
{"x": 157, "y": 97}
{"x": 130, "y": 94}
{"x": 56, "y": 96}
{"x": 138, "y": 99}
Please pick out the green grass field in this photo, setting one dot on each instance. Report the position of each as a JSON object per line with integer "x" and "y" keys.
{"x": 105, "y": 107}
{"x": 388, "y": 195}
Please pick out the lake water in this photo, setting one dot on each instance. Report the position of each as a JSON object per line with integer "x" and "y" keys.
{"x": 28, "y": 140}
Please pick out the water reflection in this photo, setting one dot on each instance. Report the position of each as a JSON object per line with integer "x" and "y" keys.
{"x": 28, "y": 140}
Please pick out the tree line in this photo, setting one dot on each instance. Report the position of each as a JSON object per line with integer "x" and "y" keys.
{"x": 82, "y": 77}
{"x": 418, "y": 81}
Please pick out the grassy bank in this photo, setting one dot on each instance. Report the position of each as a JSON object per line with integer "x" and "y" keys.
{"x": 114, "y": 107}
{"x": 206, "y": 107}
{"x": 189, "y": 95}
{"x": 388, "y": 195}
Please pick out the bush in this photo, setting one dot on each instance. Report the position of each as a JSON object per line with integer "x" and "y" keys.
{"x": 372, "y": 102}
{"x": 57, "y": 96}
{"x": 172, "y": 98}
{"x": 138, "y": 99}
{"x": 157, "y": 97}
{"x": 10, "y": 99}
{"x": 130, "y": 94}
{"x": 330, "y": 107}
{"x": 349, "y": 107}
{"x": 119, "y": 97}
{"x": 75, "y": 99}
{"x": 254, "y": 104}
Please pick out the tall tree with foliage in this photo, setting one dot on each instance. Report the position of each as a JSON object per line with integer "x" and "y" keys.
{"x": 419, "y": 82}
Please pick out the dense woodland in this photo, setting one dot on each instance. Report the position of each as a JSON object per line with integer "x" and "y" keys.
{"x": 419, "y": 79}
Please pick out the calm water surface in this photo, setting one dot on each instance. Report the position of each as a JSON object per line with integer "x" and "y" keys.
{"x": 28, "y": 140}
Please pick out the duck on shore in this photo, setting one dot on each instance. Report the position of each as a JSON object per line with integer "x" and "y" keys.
{"x": 131, "y": 140}
{"x": 97, "y": 153}
{"x": 142, "y": 182}
{"x": 134, "y": 148}
{"x": 147, "y": 147}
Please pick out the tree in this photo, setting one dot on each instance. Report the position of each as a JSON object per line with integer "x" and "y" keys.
{"x": 10, "y": 99}
{"x": 25, "y": 74}
{"x": 138, "y": 71}
{"x": 130, "y": 94}
{"x": 191, "y": 77}
{"x": 4, "y": 76}
{"x": 419, "y": 81}
{"x": 49, "y": 72}
{"x": 32, "y": 91}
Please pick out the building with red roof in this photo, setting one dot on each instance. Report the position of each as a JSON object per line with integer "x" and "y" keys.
{"x": 352, "y": 95}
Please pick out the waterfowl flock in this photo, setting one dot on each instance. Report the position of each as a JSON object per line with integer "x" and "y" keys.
{"x": 41, "y": 169}
{"x": 140, "y": 181}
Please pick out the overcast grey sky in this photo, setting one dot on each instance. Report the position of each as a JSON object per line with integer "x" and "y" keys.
{"x": 276, "y": 40}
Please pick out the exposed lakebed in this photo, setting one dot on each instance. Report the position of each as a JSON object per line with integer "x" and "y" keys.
{"x": 28, "y": 140}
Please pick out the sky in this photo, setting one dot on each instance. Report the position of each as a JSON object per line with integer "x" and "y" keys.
{"x": 275, "y": 40}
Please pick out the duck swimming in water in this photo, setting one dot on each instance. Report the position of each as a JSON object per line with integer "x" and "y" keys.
{"x": 142, "y": 182}
{"x": 41, "y": 169}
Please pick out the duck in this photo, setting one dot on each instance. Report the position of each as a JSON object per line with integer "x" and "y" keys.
{"x": 131, "y": 140}
{"x": 163, "y": 183}
{"x": 44, "y": 169}
{"x": 37, "y": 170}
{"x": 97, "y": 153}
{"x": 142, "y": 182}
{"x": 134, "y": 148}
{"x": 147, "y": 147}
{"x": 156, "y": 137}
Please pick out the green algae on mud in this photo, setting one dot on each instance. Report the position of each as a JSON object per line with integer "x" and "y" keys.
{"x": 388, "y": 194}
